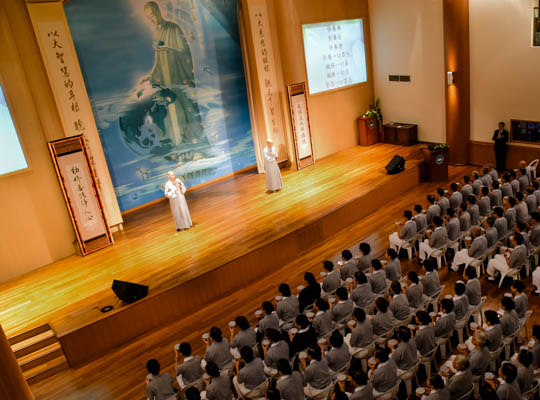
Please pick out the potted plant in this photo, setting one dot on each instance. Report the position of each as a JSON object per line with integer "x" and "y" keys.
{"x": 436, "y": 162}
{"x": 375, "y": 111}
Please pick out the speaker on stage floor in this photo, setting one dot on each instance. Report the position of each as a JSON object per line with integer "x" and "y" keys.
{"x": 396, "y": 165}
{"x": 129, "y": 292}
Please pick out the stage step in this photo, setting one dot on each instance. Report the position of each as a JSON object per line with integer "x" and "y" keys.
{"x": 39, "y": 353}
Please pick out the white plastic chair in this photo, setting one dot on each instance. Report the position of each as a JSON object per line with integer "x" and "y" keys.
{"x": 467, "y": 395}
{"x": 257, "y": 392}
{"x": 532, "y": 167}
{"x": 440, "y": 255}
{"x": 410, "y": 246}
{"x": 427, "y": 359}
{"x": 408, "y": 376}
{"x": 531, "y": 393}
{"x": 523, "y": 326}
{"x": 512, "y": 273}
{"x": 495, "y": 356}
{"x": 476, "y": 311}
{"x": 388, "y": 395}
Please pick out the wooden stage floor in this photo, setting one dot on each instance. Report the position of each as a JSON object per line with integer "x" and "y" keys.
{"x": 232, "y": 218}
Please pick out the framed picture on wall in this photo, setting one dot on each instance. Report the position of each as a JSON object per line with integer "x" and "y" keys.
{"x": 303, "y": 146}
{"x": 78, "y": 183}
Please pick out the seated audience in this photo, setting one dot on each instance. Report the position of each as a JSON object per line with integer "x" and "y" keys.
{"x": 456, "y": 198}
{"x": 473, "y": 289}
{"x": 251, "y": 375}
{"x": 433, "y": 209}
{"x": 509, "y": 319}
{"x": 218, "y": 349}
{"x": 362, "y": 295}
{"x": 323, "y": 322}
{"x": 445, "y": 324}
{"x": 461, "y": 382}
{"x": 384, "y": 373}
{"x": 493, "y": 330}
{"x": 520, "y": 298}
{"x": 474, "y": 250}
{"x": 348, "y": 269}
{"x": 304, "y": 338}
{"x": 218, "y": 387}
{"x": 269, "y": 320}
{"x": 431, "y": 281}
{"x": 317, "y": 375}
{"x": 425, "y": 335}
{"x": 362, "y": 333}
{"x": 525, "y": 371}
{"x": 405, "y": 354}
{"x": 364, "y": 261}
{"x": 338, "y": 356}
{"x": 502, "y": 263}
{"x": 344, "y": 307}
{"x": 383, "y": 321}
{"x": 406, "y": 231}
{"x": 461, "y": 301}
{"x": 452, "y": 225}
{"x": 393, "y": 268}
{"x": 290, "y": 384}
{"x": 435, "y": 240}
{"x": 363, "y": 389}
{"x": 332, "y": 280}
{"x": 242, "y": 334}
{"x": 274, "y": 351}
{"x": 399, "y": 305}
{"x": 377, "y": 279}
{"x": 438, "y": 390}
{"x": 479, "y": 358}
{"x": 288, "y": 307}
{"x": 190, "y": 370}
{"x": 158, "y": 386}
{"x": 419, "y": 218}
{"x": 415, "y": 290}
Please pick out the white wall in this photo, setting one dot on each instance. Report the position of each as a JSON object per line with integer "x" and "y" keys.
{"x": 505, "y": 80}
{"x": 407, "y": 39}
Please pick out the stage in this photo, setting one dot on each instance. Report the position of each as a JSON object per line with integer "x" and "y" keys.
{"x": 241, "y": 234}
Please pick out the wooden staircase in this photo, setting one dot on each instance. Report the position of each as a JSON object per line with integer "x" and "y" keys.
{"x": 39, "y": 353}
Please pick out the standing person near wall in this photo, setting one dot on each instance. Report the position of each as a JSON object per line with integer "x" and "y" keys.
{"x": 500, "y": 137}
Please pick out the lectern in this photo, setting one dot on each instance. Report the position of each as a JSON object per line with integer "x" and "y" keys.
{"x": 367, "y": 131}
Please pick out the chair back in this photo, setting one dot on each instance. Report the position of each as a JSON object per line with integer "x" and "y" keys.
{"x": 531, "y": 393}
{"x": 258, "y": 391}
{"x": 467, "y": 395}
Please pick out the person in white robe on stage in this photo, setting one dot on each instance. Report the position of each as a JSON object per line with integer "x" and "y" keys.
{"x": 271, "y": 168}
{"x": 174, "y": 190}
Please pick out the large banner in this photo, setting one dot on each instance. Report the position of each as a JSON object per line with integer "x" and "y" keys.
{"x": 167, "y": 86}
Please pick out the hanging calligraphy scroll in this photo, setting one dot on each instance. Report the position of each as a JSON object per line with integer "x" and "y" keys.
{"x": 300, "y": 123}
{"x": 78, "y": 182}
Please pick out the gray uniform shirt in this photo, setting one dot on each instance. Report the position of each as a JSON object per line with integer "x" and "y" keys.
{"x": 415, "y": 295}
{"x": 459, "y": 384}
{"x": 534, "y": 237}
{"x": 331, "y": 281}
{"x": 362, "y": 295}
{"x": 433, "y": 211}
{"x": 522, "y": 212}
{"x": 453, "y": 229}
{"x": 363, "y": 392}
{"x": 474, "y": 212}
{"x": 484, "y": 206}
{"x": 393, "y": 270}
{"x": 377, "y": 280}
{"x": 506, "y": 189}
{"x": 491, "y": 236}
{"x": 291, "y": 387}
{"x": 478, "y": 247}
{"x": 509, "y": 323}
{"x": 508, "y": 391}
{"x": 247, "y": 337}
{"x": 425, "y": 339}
{"x": 409, "y": 230}
{"x": 160, "y": 387}
{"x": 522, "y": 303}
{"x": 461, "y": 306}
{"x": 445, "y": 325}
{"x": 384, "y": 377}
{"x": 269, "y": 321}
{"x": 288, "y": 308}
{"x": 455, "y": 200}
{"x": 364, "y": 262}
{"x": 465, "y": 221}
{"x": 518, "y": 256}
{"x": 219, "y": 352}
{"x": 317, "y": 374}
{"x": 494, "y": 334}
{"x": 438, "y": 238}
{"x": 525, "y": 377}
{"x": 405, "y": 356}
{"x": 348, "y": 269}
{"x": 495, "y": 198}
{"x": 515, "y": 186}
{"x": 444, "y": 204}
{"x": 338, "y": 357}
{"x": 323, "y": 323}
{"x": 276, "y": 352}
{"x": 466, "y": 190}
{"x": 362, "y": 334}
{"x": 382, "y": 322}
{"x": 252, "y": 374}
{"x": 190, "y": 369}
{"x": 479, "y": 361}
{"x": 473, "y": 290}
{"x": 421, "y": 222}
{"x": 431, "y": 283}
{"x": 531, "y": 203}
{"x": 477, "y": 186}
{"x": 341, "y": 310}
{"x": 511, "y": 217}
{"x": 400, "y": 307}
{"x": 501, "y": 224}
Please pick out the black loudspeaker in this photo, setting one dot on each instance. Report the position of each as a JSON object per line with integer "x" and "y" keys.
{"x": 396, "y": 165}
{"x": 129, "y": 292}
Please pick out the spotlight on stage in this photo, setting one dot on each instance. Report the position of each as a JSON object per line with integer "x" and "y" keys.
{"x": 396, "y": 165}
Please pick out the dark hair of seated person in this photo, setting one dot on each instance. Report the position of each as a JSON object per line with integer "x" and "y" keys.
{"x": 360, "y": 277}
{"x": 328, "y": 265}
{"x": 215, "y": 334}
{"x": 365, "y": 248}
{"x": 413, "y": 277}
{"x": 346, "y": 254}
{"x": 336, "y": 339}
{"x": 185, "y": 349}
{"x": 322, "y": 304}
{"x": 153, "y": 367}
{"x": 273, "y": 394}
{"x": 284, "y": 289}
{"x": 447, "y": 305}
{"x": 284, "y": 367}
{"x": 359, "y": 314}
{"x": 212, "y": 369}
{"x": 376, "y": 264}
{"x": 242, "y": 323}
{"x": 273, "y": 335}
{"x": 381, "y": 304}
{"x": 342, "y": 293}
{"x": 192, "y": 393}
{"x": 246, "y": 353}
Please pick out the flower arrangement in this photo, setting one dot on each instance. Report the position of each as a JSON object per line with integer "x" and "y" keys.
{"x": 438, "y": 147}
{"x": 375, "y": 111}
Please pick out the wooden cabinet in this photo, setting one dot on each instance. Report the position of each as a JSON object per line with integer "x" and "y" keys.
{"x": 367, "y": 131}
{"x": 400, "y": 133}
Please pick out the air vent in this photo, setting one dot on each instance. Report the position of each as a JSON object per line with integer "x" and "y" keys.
{"x": 393, "y": 78}
{"x": 404, "y": 78}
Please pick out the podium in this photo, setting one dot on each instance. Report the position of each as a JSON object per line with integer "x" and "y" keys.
{"x": 367, "y": 131}
{"x": 435, "y": 165}
{"x": 401, "y": 134}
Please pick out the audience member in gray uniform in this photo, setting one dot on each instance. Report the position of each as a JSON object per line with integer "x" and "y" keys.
{"x": 317, "y": 375}
{"x": 270, "y": 320}
{"x": 520, "y": 298}
{"x": 522, "y": 212}
{"x": 438, "y": 389}
{"x": 364, "y": 261}
{"x": 534, "y": 235}
{"x": 332, "y": 280}
{"x": 473, "y": 289}
{"x": 461, "y": 382}
{"x": 431, "y": 281}
{"x": 502, "y": 263}
{"x": 393, "y": 268}
{"x": 158, "y": 386}
{"x": 419, "y": 218}
{"x": 425, "y": 335}
{"x": 433, "y": 209}
{"x": 464, "y": 218}
{"x": 290, "y": 384}
{"x": 343, "y": 308}
{"x": 304, "y": 338}
{"x": 530, "y": 200}
{"x": 493, "y": 330}
{"x": 456, "y": 198}
{"x": 496, "y": 195}
{"x": 506, "y": 187}
{"x": 477, "y": 183}
{"x": 522, "y": 228}
{"x": 406, "y": 231}
{"x": 277, "y": 350}
{"x": 523, "y": 179}
{"x": 288, "y": 308}
{"x": 490, "y": 232}
{"x": 415, "y": 290}
{"x": 399, "y": 305}
{"x": 493, "y": 173}
{"x": 501, "y": 223}
{"x": 362, "y": 295}
{"x": 192, "y": 393}
{"x": 507, "y": 389}
{"x": 485, "y": 177}
{"x": 445, "y": 325}
{"x": 461, "y": 301}
{"x": 536, "y": 186}
{"x": 362, "y": 333}
{"x": 251, "y": 375}
{"x": 514, "y": 182}
{"x": 218, "y": 387}
{"x": 322, "y": 322}
{"x": 384, "y": 375}
{"x": 218, "y": 349}
{"x": 452, "y": 225}
{"x": 339, "y": 355}
{"x": 525, "y": 371}
{"x": 535, "y": 349}
{"x": 479, "y": 358}
{"x": 405, "y": 355}
{"x": 189, "y": 370}
{"x": 442, "y": 201}
{"x": 348, "y": 269}
{"x": 363, "y": 389}
{"x": 510, "y": 319}
{"x": 476, "y": 249}
{"x": 383, "y": 320}
{"x": 435, "y": 240}
{"x": 242, "y": 334}
{"x": 473, "y": 210}
{"x": 377, "y": 279}
{"x": 466, "y": 188}
{"x": 484, "y": 204}
{"x": 510, "y": 212}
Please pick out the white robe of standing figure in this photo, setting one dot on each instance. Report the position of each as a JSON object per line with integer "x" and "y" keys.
{"x": 271, "y": 168}
{"x": 174, "y": 190}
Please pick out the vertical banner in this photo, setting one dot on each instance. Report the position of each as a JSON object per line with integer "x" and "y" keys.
{"x": 266, "y": 71}
{"x": 65, "y": 78}
{"x": 298, "y": 106}
{"x": 79, "y": 186}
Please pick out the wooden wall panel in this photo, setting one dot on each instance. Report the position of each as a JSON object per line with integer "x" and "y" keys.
{"x": 481, "y": 153}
